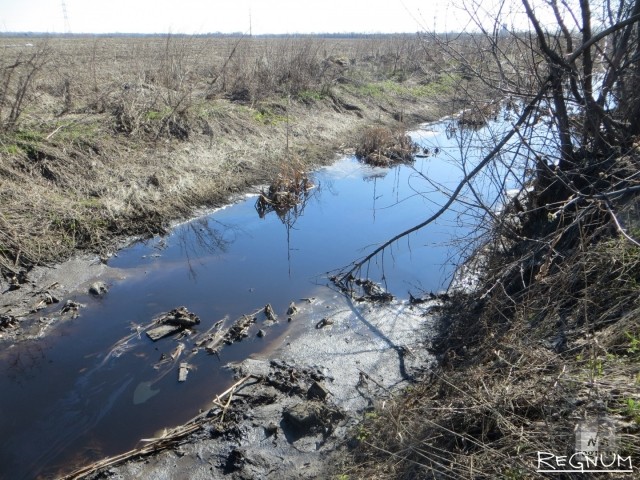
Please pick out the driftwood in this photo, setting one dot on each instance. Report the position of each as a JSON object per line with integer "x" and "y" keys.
{"x": 162, "y": 331}
{"x": 370, "y": 290}
{"x": 166, "y": 441}
{"x": 177, "y": 319}
{"x": 239, "y": 330}
{"x": 214, "y": 341}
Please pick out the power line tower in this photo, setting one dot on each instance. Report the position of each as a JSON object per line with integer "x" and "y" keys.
{"x": 67, "y": 27}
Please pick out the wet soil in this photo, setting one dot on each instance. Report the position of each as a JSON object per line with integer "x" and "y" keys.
{"x": 298, "y": 408}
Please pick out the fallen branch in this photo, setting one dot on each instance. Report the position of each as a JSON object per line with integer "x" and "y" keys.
{"x": 155, "y": 445}
{"x": 454, "y": 195}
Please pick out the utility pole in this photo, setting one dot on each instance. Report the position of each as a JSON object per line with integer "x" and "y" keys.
{"x": 67, "y": 27}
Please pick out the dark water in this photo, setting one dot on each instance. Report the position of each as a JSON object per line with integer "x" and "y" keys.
{"x": 66, "y": 401}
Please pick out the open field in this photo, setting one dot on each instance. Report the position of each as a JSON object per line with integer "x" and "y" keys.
{"x": 108, "y": 137}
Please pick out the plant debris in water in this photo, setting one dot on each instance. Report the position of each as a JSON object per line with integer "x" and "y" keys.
{"x": 383, "y": 147}
{"x": 361, "y": 289}
{"x": 290, "y": 189}
{"x": 308, "y": 414}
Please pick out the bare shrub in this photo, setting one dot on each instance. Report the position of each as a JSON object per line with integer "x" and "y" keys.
{"x": 550, "y": 335}
{"x": 18, "y": 73}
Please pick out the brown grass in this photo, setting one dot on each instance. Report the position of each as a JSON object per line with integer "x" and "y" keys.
{"x": 287, "y": 191}
{"x": 382, "y": 146}
{"x": 118, "y": 136}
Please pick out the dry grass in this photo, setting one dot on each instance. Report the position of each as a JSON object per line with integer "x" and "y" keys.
{"x": 118, "y": 136}
{"x": 382, "y": 147}
{"x": 287, "y": 191}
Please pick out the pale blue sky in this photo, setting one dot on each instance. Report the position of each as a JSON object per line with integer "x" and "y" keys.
{"x": 267, "y": 16}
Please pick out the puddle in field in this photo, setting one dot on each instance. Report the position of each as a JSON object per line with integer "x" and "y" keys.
{"x": 70, "y": 399}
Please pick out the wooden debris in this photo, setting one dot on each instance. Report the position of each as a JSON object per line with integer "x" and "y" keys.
{"x": 212, "y": 335}
{"x": 215, "y": 344}
{"x": 373, "y": 291}
{"x": 181, "y": 317}
{"x": 177, "y": 351}
{"x": 230, "y": 391}
{"x": 176, "y": 320}
{"x": 370, "y": 290}
{"x": 183, "y": 372}
{"x": 162, "y": 331}
{"x": 239, "y": 330}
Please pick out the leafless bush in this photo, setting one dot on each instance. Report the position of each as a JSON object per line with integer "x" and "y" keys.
{"x": 550, "y": 336}
{"x": 18, "y": 74}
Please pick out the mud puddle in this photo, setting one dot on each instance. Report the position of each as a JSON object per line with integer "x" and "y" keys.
{"x": 79, "y": 394}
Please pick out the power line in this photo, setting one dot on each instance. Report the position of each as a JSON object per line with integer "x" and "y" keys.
{"x": 67, "y": 27}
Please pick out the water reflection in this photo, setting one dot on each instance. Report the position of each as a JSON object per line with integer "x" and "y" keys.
{"x": 203, "y": 237}
{"x": 288, "y": 199}
{"x": 22, "y": 364}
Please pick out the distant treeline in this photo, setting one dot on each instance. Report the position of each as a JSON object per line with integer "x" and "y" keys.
{"x": 201, "y": 35}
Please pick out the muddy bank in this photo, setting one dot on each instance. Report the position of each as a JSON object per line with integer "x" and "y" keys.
{"x": 63, "y": 286}
{"x": 292, "y": 411}
{"x": 186, "y": 177}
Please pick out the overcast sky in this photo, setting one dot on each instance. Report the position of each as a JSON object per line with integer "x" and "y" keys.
{"x": 267, "y": 16}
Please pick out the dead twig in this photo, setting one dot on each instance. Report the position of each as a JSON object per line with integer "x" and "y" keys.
{"x": 155, "y": 445}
